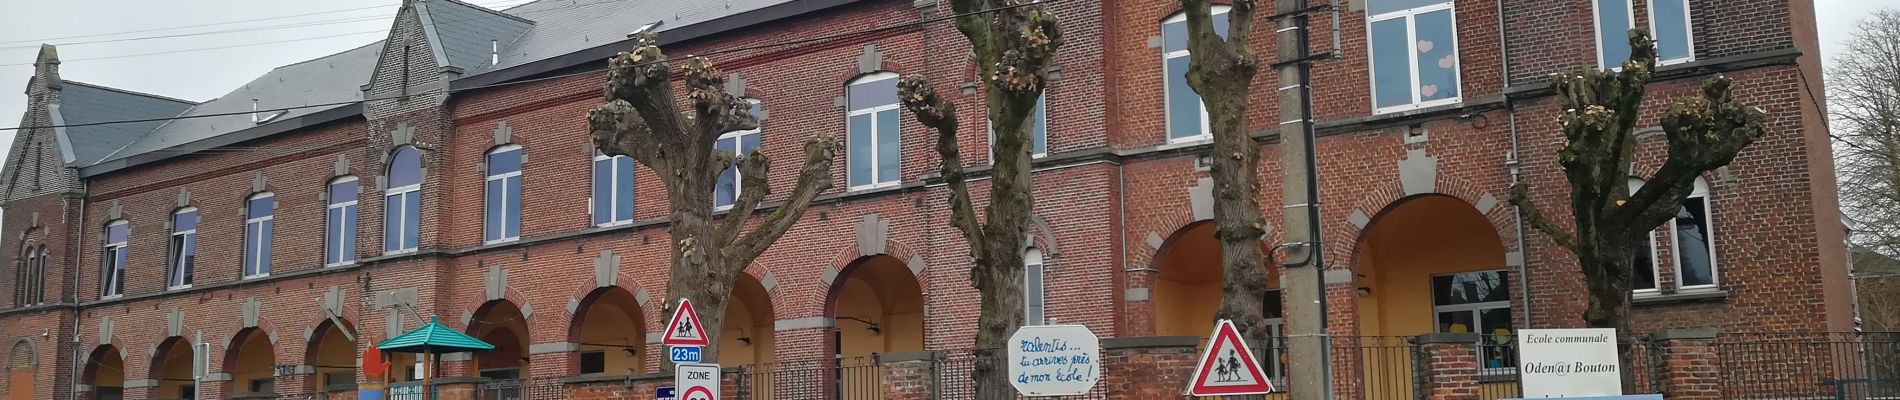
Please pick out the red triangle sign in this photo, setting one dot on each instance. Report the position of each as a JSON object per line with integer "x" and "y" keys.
{"x": 1228, "y": 367}
{"x": 684, "y": 329}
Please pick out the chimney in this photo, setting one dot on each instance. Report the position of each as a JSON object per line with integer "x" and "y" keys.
{"x": 494, "y": 52}
{"x": 254, "y": 119}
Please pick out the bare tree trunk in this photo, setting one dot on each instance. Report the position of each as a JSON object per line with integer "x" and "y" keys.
{"x": 640, "y": 120}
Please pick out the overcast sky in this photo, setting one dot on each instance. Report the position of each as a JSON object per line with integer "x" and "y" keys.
{"x": 336, "y": 25}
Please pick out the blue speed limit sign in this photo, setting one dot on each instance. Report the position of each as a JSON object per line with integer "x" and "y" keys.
{"x": 684, "y": 354}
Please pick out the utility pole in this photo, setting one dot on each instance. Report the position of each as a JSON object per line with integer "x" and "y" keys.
{"x": 1309, "y": 370}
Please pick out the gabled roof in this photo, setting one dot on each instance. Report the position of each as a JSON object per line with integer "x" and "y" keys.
{"x": 82, "y": 103}
{"x": 567, "y": 26}
{"x": 465, "y": 35}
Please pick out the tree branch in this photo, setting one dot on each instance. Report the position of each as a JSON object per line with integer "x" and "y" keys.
{"x": 1704, "y": 134}
{"x": 813, "y": 178}
{"x": 931, "y": 110}
{"x": 753, "y": 188}
{"x": 1527, "y": 208}
{"x": 618, "y": 130}
{"x": 715, "y": 111}
{"x": 640, "y": 78}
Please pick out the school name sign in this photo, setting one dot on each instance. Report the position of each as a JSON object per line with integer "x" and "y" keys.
{"x": 1569, "y": 363}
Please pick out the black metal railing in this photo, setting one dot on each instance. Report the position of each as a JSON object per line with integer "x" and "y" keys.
{"x": 849, "y": 378}
{"x": 1775, "y": 366}
{"x": 953, "y": 378}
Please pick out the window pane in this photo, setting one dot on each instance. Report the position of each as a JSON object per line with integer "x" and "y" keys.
{"x": 392, "y": 222}
{"x": 1040, "y": 131}
{"x": 349, "y": 234}
{"x": 860, "y": 153}
{"x": 888, "y": 149}
{"x": 251, "y": 242}
{"x": 874, "y": 93}
{"x": 333, "y": 235}
{"x": 623, "y": 188}
{"x": 264, "y": 247}
{"x": 491, "y": 226}
{"x": 412, "y": 220}
{"x": 117, "y": 233}
{"x": 185, "y": 221}
{"x": 260, "y": 207}
{"x": 1495, "y": 331}
{"x": 1672, "y": 28}
{"x": 724, "y": 189}
{"x": 1455, "y": 322}
{"x": 1376, "y": 7}
{"x": 405, "y": 167}
{"x": 1644, "y": 267}
{"x": 1273, "y": 307}
{"x": 1613, "y": 25}
{"x": 1470, "y": 287}
{"x": 342, "y": 192}
{"x": 511, "y": 219}
{"x": 504, "y": 162}
{"x": 1391, "y": 77}
{"x": 603, "y": 190}
{"x": 1174, "y": 37}
{"x": 1437, "y": 56}
{"x": 1692, "y": 240}
{"x": 1184, "y": 106}
{"x": 1033, "y": 295}
{"x": 188, "y": 258}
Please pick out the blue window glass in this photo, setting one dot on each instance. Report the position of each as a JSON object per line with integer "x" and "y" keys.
{"x": 339, "y": 239}
{"x": 504, "y": 195}
{"x": 1039, "y": 131}
{"x": 412, "y": 208}
{"x": 1613, "y": 24}
{"x": 257, "y": 234}
{"x": 1437, "y": 56}
{"x": 1414, "y": 57}
{"x": 1185, "y": 112}
{"x": 403, "y": 201}
{"x": 603, "y": 190}
{"x": 623, "y": 188}
{"x": 184, "y": 248}
{"x": 888, "y": 157}
{"x": 1669, "y": 20}
{"x": 860, "y": 152}
{"x": 874, "y": 151}
{"x": 112, "y": 261}
{"x": 405, "y": 167}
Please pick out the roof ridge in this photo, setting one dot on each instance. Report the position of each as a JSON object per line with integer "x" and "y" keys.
{"x": 377, "y": 42}
{"x": 488, "y": 10}
{"x": 131, "y": 92}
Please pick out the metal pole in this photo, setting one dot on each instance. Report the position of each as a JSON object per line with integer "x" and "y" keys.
{"x": 1309, "y": 369}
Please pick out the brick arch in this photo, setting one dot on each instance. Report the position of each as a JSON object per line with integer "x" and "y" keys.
{"x": 577, "y": 319}
{"x": 1042, "y": 237}
{"x": 89, "y": 373}
{"x": 325, "y": 327}
{"x": 23, "y": 354}
{"x": 848, "y": 259}
{"x": 1176, "y": 220}
{"x": 845, "y": 77}
{"x": 1503, "y": 222}
{"x": 232, "y": 347}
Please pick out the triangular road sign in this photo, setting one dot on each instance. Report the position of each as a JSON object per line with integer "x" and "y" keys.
{"x": 1227, "y": 366}
{"x": 684, "y": 329}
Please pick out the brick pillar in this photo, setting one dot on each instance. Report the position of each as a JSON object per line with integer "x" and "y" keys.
{"x": 217, "y": 385}
{"x": 1148, "y": 368}
{"x": 296, "y": 379}
{"x": 455, "y": 388}
{"x": 1138, "y": 298}
{"x": 907, "y": 376}
{"x": 1689, "y": 364}
{"x": 1446, "y": 366}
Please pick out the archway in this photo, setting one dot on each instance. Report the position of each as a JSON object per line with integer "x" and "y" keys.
{"x": 611, "y": 330}
{"x": 252, "y": 362}
{"x": 171, "y": 367}
{"x": 105, "y": 372}
{"x": 747, "y": 336}
{"x": 333, "y": 354}
{"x": 20, "y": 370}
{"x": 1187, "y": 291}
{"x": 501, "y": 323}
{"x": 1432, "y": 263}
{"x": 878, "y": 308}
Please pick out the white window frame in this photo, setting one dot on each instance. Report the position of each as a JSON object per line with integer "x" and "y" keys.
{"x": 1033, "y": 265}
{"x": 252, "y": 254}
{"x": 1596, "y": 17}
{"x": 1688, "y": 31}
{"x": 1207, "y": 131}
{"x": 491, "y": 176}
{"x": 331, "y": 237}
{"x": 174, "y": 268}
{"x": 1476, "y": 310}
{"x": 115, "y": 282}
{"x": 613, "y": 181}
{"x": 1043, "y": 102}
{"x": 1701, "y": 191}
{"x": 401, "y": 193}
{"x": 876, "y": 181}
{"x": 1411, "y": 44}
{"x": 1276, "y": 336}
{"x": 738, "y": 174}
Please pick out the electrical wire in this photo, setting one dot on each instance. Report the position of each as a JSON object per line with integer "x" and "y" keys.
{"x": 208, "y": 48}
{"x": 33, "y": 43}
{"x": 560, "y": 76}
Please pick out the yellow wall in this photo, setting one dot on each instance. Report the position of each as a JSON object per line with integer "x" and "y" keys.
{"x": 612, "y": 321}
{"x": 175, "y": 372}
{"x": 108, "y": 369}
{"x": 881, "y": 291}
{"x": 1407, "y": 245}
{"x": 501, "y": 325}
{"x": 748, "y": 315}
{"x": 253, "y": 360}
{"x": 334, "y": 354}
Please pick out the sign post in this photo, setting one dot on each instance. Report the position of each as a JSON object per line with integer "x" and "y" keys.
{"x": 696, "y": 381}
{"x": 1227, "y": 366}
{"x": 1569, "y": 363}
{"x": 1054, "y": 360}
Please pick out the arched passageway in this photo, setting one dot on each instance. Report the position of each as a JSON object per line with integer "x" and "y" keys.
{"x": 611, "y": 330}
{"x": 105, "y": 372}
{"x": 252, "y": 362}
{"x": 500, "y": 323}
{"x": 747, "y": 336}
{"x": 1433, "y": 263}
{"x": 171, "y": 367}
{"x": 1187, "y": 290}
{"x": 334, "y": 355}
{"x": 878, "y": 308}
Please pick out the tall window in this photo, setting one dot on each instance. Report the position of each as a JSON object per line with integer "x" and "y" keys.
{"x": 1187, "y": 116}
{"x": 874, "y": 153}
{"x": 112, "y": 261}
{"x": 1038, "y": 131}
{"x": 1644, "y": 268}
{"x": 613, "y": 189}
{"x": 1275, "y": 312}
{"x": 402, "y": 202}
{"x": 738, "y": 144}
{"x": 1477, "y": 302}
{"x": 259, "y": 212}
{"x": 1614, "y": 20}
{"x": 184, "y": 250}
{"x": 29, "y": 287}
{"x": 1033, "y": 296}
{"x": 1675, "y": 38}
{"x": 1693, "y": 235}
{"x": 1414, "y": 54}
{"x": 339, "y": 235}
{"x": 503, "y": 214}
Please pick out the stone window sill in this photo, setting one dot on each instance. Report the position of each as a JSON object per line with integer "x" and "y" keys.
{"x": 1683, "y": 297}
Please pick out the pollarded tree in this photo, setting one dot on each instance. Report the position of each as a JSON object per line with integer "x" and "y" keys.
{"x": 1601, "y": 109}
{"x": 1013, "y": 42}
{"x": 641, "y": 120}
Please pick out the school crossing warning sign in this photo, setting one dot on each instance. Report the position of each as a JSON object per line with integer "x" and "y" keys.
{"x": 684, "y": 329}
{"x": 1227, "y": 367}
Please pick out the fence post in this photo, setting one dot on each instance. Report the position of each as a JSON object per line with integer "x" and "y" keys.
{"x": 1447, "y": 366}
{"x": 1690, "y": 364}
{"x": 906, "y": 376}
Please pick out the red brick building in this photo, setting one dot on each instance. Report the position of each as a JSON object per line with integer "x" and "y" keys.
{"x": 456, "y": 181}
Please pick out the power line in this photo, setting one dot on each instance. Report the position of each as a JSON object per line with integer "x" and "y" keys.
{"x": 560, "y": 76}
{"x": 206, "y": 48}
{"x": 189, "y": 26}
{"x": 304, "y": 24}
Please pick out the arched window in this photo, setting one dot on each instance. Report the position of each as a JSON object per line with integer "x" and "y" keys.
{"x": 112, "y": 260}
{"x": 874, "y": 152}
{"x": 260, "y": 212}
{"x": 339, "y": 232}
{"x": 1033, "y": 297}
{"x": 1187, "y": 116}
{"x": 738, "y": 144}
{"x": 402, "y": 201}
{"x": 184, "y": 248}
{"x": 613, "y": 189}
{"x": 502, "y": 216}
{"x": 1691, "y": 242}
{"x": 30, "y": 277}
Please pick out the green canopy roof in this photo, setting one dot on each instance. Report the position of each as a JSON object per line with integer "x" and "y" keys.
{"x": 433, "y": 337}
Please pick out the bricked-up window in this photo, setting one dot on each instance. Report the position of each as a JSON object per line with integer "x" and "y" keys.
{"x": 402, "y": 201}
{"x": 1476, "y": 302}
{"x": 874, "y": 154}
{"x": 739, "y": 144}
{"x": 112, "y": 261}
{"x": 1033, "y": 299}
{"x": 339, "y": 235}
{"x": 613, "y": 189}
{"x": 1414, "y": 54}
{"x": 1614, "y": 19}
{"x": 184, "y": 248}
{"x": 259, "y": 216}
{"x": 1038, "y": 131}
{"x": 1675, "y": 37}
{"x": 503, "y": 211}
{"x": 1187, "y": 116}
{"x": 30, "y": 276}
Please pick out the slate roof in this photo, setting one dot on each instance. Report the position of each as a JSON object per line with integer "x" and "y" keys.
{"x": 463, "y": 32}
{"x": 331, "y": 79}
{"x": 82, "y": 103}
{"x": 567, "y": 26}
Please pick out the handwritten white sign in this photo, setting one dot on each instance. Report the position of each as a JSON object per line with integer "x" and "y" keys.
{"x": 1569, "y": 363}
{"x": 1054, "y": 360}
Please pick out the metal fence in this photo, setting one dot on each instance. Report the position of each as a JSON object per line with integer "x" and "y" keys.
{"x": 952, "y": 379}
{"x": 1777, "y": 366}
{"x": 851, "y": 378}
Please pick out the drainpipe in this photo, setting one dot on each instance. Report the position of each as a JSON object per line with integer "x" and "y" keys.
{"x": 1511, "y": 163}
{"x": 72, "y": 296}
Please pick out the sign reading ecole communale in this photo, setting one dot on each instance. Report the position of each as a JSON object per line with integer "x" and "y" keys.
{"x": 696, "y": 381}
{"x": 684, "y": 328}
{"x": 1054, "y": 360}
{"x": 1227, "y": 367}
{"x": 1569, "y": 363}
